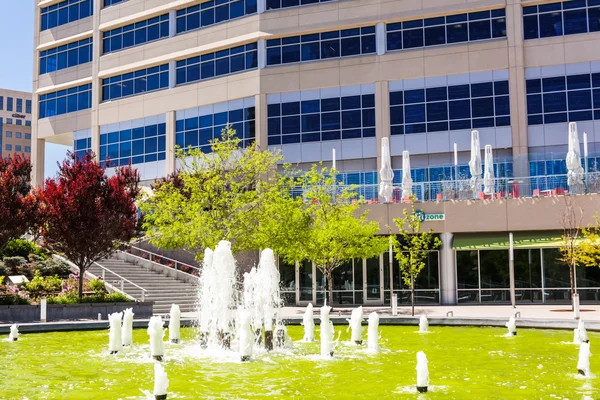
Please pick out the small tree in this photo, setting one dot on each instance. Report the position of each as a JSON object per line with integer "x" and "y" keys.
{"x": 86, "y": 215}
{"x": 17, "y": 205}
{"x": 571, "y": 250}
{"x": 590, "y": 246}
{"x": 412, "y": 248}
{"x": 222, "y": 195}
{"x": 329, "y": 228}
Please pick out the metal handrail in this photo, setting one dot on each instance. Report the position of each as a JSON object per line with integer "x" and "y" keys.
{"x": 123, "y": 280}
{"x": 165, "y": 258}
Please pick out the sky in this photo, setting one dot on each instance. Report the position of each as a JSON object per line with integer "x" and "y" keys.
{"x": 16, "y": 68}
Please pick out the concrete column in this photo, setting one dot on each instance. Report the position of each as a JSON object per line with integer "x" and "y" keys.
{"x": 262, "y": 53}
{"x": 382, "y": 115}
{"x": 261, "y": 6}
{"x": 381, "y": 38}
{"x": 518, "y": 99}
{"x": 172, "y": 23}
{"x": 447, "y": 271}
{"x": 171, "y": 162}
{"x": 260, "y": 112}
{"x": 38, "y": 153}
{"x": 172, "y": 74}
{"x": 38, "y": 147}
{"x": 96, "y": 83}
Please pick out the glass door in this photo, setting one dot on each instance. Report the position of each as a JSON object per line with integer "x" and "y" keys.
{"x": 373, "y": 280}
{"x": 305, "y": 290}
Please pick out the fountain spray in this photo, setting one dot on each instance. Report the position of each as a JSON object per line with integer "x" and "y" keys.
{"x": 114, "y": 333}
{"x": 423, "y": 324}
{"x": 512, "y": 326}
{"x": 576, "y": 337}
{"x": 161, "y": 382}
{"x": 422, "y": 372}
{"x": 355, "y": 323}
{"x": 583, "y": 363}
{"x": 156, "y": 333}
{"x": 327, "y": 332}
{"x": 127, "y": 331}
{"x": 252, "y": 303}
{"x": 373, "y": 332}
{"x": 204, "y": 298}
{"x": 268, "y": 293}
{"x": 246, "y": 336}
{"x": 14, "y": 333}
{"x": 174, "y": 324}
{"x": 583, "y": 335}
{"x": 309, "y": 324}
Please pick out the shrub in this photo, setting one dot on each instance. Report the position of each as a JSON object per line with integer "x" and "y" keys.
{"x": 63, "y": 298}
{"x": 3, "y": 269}
{"x": 12, "y": 300}
{"x": 40, "y": 285}
{"x": 2, "y": 280}
{"x": 71, "y": 298}
{"x": 97, "y": 285}
{"x": 12, "y": 264}
{"x": 117, "y": 297}
{"x": 23, "y": 248}
{"x": 52, "y": 267}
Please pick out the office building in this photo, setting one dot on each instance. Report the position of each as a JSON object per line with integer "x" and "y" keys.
{"x": 15, "y": 123}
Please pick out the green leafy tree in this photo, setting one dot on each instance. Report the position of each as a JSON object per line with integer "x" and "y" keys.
{"x": 412, "y": 247}
{"x": 221, "y": 195}
{"x": 571, "y": 249}
{"x": 326, "y": 226}
{"x": 590, "y": 246}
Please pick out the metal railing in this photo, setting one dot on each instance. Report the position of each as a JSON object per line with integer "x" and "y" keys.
{"x": 121, "y": 281}
{"x": 163, "y": 260}
{"x": 504, "y": 188}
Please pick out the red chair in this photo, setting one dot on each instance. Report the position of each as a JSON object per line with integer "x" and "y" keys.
{"x": 483, "y": 196}
{"x": 558, "y": 192}
{"x": 439, "y": 197}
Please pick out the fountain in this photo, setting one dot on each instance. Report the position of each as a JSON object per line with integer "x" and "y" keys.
{"x": 156, "y": 333}
{"x": 252, "y": 303}
{"x": 576, "y": 337}
{"x": 583, "y": 335}
{"x": 174, "y": 324}
{"x": 245, "y": 335}
{"x": 309, "y": 324}
{"x": 268, "y": 293}
{"x": 512, "y": 326}
{"x": 114, "y": 333}
{"x": 583, "y": 363}
{"x": 327, "y": 332}
{"x": 127, "y": 331}
{"x": 205, "y": 304}
{"x": 13, "y": 336}
{"x": 161, "y": 382}
{"x": 373, "y": 332}
{"x": 355, "y": 323}
{"x": 422, "y": 372}
{"x": 423, "y": 324}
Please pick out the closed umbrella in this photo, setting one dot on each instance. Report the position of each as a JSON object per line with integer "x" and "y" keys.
{"x": 475, "y": 162}
{"x": 407, "y": 181}
{"x": 386, "y": 174}
{"x": 488, "y": 170}
{"x": 574, "y": 168}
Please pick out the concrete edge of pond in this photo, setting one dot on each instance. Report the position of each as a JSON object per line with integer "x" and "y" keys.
{"x": 64, "y": 326}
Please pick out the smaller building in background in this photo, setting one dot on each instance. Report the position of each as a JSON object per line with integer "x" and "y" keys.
{"x": 15, "y": 123}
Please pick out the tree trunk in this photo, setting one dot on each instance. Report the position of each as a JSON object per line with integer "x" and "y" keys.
{"x": 571, "y": 268}
{"x": 81, "y": 274}
{"x": 330, "y": 287}
{"x": 412, "y": 294}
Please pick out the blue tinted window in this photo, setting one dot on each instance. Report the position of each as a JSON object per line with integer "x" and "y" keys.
{"x": 133, "y": 83}
{"x": 224, "y": 62}
{"x": 276, "y": 4}
{"x": 55, "y": 103}
{"x": 332, "y": 118}
{"x": 108, "y": 3}
{"x": 135, "y": 34}
{"x": 66, "y": 56}
{"x": 561, "y": 18}
{"x": 320, "y": 46}
{"x": 454, "y": 107}
{"x": 65, "y": 12}
{"x": 446, "y": 30}
{"x": 123, "y": 148}
{"x": 213, "y": 12}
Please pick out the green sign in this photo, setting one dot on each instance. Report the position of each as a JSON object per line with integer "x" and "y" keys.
{"x": 429, "y": 217}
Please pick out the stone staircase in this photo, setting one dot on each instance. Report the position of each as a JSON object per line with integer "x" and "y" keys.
{"x": 161, "y": 289}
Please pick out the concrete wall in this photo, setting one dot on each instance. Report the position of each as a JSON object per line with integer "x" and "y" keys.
{"x": 61, "y": 312}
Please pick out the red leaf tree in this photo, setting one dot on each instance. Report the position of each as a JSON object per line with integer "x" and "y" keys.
{"x": 85, "y": 214}
{"x": 17, "y": 205}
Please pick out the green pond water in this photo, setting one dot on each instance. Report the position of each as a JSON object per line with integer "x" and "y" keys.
{"x": 464, "y": 363}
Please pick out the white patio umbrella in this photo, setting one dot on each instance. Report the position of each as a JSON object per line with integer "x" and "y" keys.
{"x": 574, "y": 168}
{"x": 475, "y": 162}
{"x": 386, "y": 173}
{"x": 407, "y": 181}
{"x": 488, "y": 170}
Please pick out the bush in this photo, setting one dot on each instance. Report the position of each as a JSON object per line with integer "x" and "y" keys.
{"x": 23, "y": 248}
{"x": 64, "y": 298}
{"x": 3, "y": 269}
{"x": 12, "y": 300}
{"x": 52, "y": 267}
{"x": 40, "y": 285}
{"x": 71, "y": 298}
{"x": 97, "y": 285}
{"x": 12, "y": 264}
{"x": 116, "y": 297}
